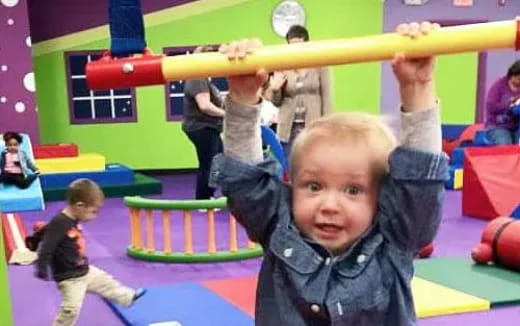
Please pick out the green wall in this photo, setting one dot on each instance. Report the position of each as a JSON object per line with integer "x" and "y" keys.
{"x": 6, "y": 318}
{"x": 457, "y": 87}
{"x": 153, "y": 143}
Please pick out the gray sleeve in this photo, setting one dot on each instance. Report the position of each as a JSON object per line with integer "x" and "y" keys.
{"x": 242, "y": 138}
{"x": 421, "y": 130}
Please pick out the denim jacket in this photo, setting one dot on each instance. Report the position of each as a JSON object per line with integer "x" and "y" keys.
{"x": 26, "y": 164}
{"x": 300, "y": 283}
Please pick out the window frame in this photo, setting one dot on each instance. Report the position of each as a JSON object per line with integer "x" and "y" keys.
{"x": 73, "y": 120}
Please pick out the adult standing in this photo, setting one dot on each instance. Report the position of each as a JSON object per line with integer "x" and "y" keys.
{"x": 203, "y": 115}
{"x": 303, "y": 95}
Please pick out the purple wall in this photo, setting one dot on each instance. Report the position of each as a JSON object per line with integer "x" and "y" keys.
{"x": 17, "y": 103}
{"x": 78, "y": 15}
{"x": 395, "y": 12}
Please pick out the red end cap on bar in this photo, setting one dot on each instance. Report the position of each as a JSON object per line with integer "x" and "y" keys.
{"x": 108, "y": 72}
{"x": 518, "y": 33}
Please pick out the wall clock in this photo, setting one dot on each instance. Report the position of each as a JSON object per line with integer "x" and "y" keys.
{"x": 286, "y": 14}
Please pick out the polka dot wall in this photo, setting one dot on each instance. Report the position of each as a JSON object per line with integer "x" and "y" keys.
{"x": 18, "y": 109}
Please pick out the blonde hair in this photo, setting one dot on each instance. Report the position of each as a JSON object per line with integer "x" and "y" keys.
{"x": 349, "y": 127}
{"x": 84, "y": 190}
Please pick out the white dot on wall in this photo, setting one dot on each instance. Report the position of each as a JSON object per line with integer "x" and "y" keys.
{"x": 10, "y": 21}
{"x": 3, "y": 68}
{"x": 28, "y": 41}
{"x": 36, "y": 108}
{"x": 19, "y": 107}
{"x": 9, "y": 3}
{"x": 3, "y": 99}
{"x": 28, "y": 82}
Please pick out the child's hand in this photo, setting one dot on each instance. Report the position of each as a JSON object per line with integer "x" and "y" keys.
{"x": 278, "y": 80}
{"x": 415, "y": 76}
{"x": 245, "y": 89}
{"x": 413, "y": 71}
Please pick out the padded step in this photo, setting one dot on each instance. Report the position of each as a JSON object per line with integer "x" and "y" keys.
{"x": 81, "y": 163}
{"x": 55, "y": 150}
{"x": 114, "y": 174}
{"x": 142, "y": 185}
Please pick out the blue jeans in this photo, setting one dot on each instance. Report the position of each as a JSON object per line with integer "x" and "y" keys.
{"x": 502, "y": 136}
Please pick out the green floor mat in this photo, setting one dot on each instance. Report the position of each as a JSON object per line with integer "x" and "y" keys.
{"x": 143, "y": 185}
{"x": 497, "y": 285}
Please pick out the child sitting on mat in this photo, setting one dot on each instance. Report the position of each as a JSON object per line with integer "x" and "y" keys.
{"x": 16, "y": 167}
{"x": 340, "y": 240}
{"x": 62, "y": 249}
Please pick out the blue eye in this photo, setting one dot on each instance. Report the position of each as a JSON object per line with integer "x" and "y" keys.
{"x": 313, "y": 186}
{"x": 352, "y": 190}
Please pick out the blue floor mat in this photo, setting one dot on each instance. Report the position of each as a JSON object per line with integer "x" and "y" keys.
{"x": 13, "y": 199}
{"x": 114, "y": 174}
{"x": 187, "y": 304}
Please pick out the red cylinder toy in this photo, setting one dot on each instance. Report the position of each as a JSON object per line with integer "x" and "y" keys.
{"x": 500, "y": 243}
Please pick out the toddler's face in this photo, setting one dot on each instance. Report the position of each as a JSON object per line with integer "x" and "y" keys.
{"x": 334, "y": 193}
{"x": 12, "y": 145}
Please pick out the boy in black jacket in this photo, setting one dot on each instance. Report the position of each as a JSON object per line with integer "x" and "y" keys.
{"x": 63, "y": 251}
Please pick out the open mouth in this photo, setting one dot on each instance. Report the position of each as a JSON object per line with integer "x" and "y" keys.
{"x": 327, "y": 230}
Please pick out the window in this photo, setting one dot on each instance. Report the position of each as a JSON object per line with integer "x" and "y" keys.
{"x": 100, "y": 106}
{"x": 175, "y": 90}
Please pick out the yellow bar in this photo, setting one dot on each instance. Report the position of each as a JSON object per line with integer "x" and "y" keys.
{"x": 167, "y": 247}
{"x": 454, "y": 39}
{"x": 150, "y": 242}
{"x": 212, "y": 246}
{"x": 188, "y": 237}
{"x": 233, "y": 240}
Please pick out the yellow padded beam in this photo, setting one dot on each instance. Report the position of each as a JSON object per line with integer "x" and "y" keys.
{"x": 83, "y": 162}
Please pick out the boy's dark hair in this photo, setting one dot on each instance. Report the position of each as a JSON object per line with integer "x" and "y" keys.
{"x": 514, "y": 70}
{"x": 12, "y": 135}
{"x": 84, "y": 190}
{"x": 297, "y": 31}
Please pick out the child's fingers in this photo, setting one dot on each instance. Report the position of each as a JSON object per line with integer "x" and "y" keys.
{"x": 254, "y": 44}
{"x": 398, "y": 58}
{"x": 426, "y": 27}
{"x": 402, "y": 29}
{"x": 436, "y": 27}
{"x": 223, "y": 48}
{"x": 413, "y": 29}
{"x": 242, "y": 48}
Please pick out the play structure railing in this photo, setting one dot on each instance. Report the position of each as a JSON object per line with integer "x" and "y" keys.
{"x": 146, "y": 248}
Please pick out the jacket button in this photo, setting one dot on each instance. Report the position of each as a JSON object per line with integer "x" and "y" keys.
{"x": 288, "y": 252}
{"x": 361, "y": 259}
{"x": 315, "y": 308}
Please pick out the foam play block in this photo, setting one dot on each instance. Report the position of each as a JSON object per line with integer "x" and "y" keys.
{"x": 491, "y": 181}
{"x": 141, "y": 185}
{"x": 112, "y": 175}
{"x": 432, "y": 299}
{"x": 457, "y": 157}
{"x": 497, "y": 285}
{"x": 187, "y": 304}
{"x": 14, "y": 237}
{"x": 13, "y": 199}
{"x": 83, "y": 162}
{"x": 244, "y": 299}
{"x": 456, "y": 179}
{"x": 55, "y": 150}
